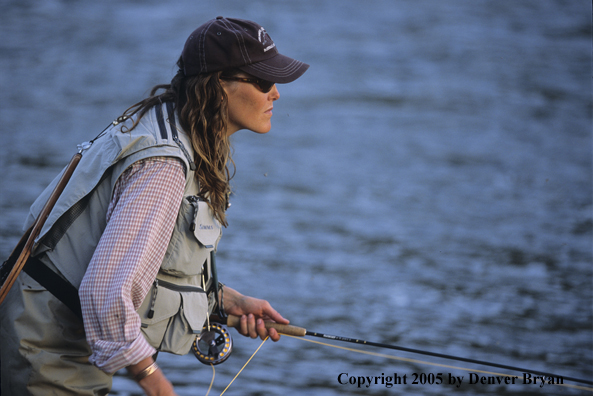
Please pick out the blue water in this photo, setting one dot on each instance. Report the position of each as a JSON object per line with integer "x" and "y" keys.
{"x": 427, "y": 183}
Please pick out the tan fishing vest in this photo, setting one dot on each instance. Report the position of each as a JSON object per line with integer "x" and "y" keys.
{"x": 176, "y": 307}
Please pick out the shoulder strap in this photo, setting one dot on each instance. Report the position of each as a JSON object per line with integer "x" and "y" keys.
{"x": 55, "y": 284}
{"x": 174, "y": 132}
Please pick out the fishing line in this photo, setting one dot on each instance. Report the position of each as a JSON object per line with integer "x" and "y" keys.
{"x": 302, "y": 332}
{"x": 212, "y": 381}
{"x": 443, "y": 356}
{"x": 430, "y": 363}
{"x": 299, "y": 332}
{"x": 245, "y": 365}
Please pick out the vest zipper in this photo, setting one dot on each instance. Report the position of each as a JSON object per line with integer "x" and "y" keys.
{"x": 192, "y": 165}
{"x": 153, "y": 300}
{"x": 180, "y": 288}
{"x": 193, "y": 200}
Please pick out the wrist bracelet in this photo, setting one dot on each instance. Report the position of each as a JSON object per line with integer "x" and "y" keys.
{"x": 146, "y": 372}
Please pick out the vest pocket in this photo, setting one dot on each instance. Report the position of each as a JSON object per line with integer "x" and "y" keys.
{"x": 195, "y": 235}
{"x": 172, "y": 315}
{"x": 206, "y": 228}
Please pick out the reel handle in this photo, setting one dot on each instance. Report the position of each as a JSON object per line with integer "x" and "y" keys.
{"x": 235, "y": 321}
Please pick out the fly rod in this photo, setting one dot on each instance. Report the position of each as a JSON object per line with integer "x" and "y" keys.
{"x": 234, "y": 321}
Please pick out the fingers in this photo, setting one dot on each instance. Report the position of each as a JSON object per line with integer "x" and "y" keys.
{"x": 263, "y": 332}
{"x": 253, "y": 328}
{"x": 248, "y": 326}
{"x": 274, "y": 336}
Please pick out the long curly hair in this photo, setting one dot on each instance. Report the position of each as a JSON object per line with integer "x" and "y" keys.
{"x": 202, "y": 107}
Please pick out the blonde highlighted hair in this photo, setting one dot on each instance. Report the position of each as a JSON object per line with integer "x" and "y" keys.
{"x": 201, "y": 105}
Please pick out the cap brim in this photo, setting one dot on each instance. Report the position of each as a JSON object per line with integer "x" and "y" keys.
{"x": 279, "y": 69}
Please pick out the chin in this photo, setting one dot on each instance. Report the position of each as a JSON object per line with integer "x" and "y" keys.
{"x": 263, "y": 130}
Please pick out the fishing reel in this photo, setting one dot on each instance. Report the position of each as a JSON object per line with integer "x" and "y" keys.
{"x": 214, "y": 344}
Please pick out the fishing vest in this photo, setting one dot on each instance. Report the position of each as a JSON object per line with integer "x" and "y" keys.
{"x": 177, "y": 306}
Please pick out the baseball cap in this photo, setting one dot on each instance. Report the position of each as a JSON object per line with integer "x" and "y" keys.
{"x": 230, "y": 43}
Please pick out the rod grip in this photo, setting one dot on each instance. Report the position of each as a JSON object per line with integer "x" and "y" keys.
{"x": 235, "y": 321}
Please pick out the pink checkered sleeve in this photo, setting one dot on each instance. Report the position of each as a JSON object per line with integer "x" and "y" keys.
{"x": 140, "y": 221}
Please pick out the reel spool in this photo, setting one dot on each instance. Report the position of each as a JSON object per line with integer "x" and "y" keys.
{"x": 213, "y": 346}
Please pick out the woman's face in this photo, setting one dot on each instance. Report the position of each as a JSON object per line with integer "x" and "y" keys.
{"x": 249, "y": 108}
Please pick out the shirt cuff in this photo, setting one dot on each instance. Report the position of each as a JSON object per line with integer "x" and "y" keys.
{"x": 113, "y": 356}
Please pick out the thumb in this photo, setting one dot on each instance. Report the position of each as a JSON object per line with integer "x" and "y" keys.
{"x": 274, "y": 315}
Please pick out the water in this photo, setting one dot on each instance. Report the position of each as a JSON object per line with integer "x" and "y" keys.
{"x": 427, "y": 183}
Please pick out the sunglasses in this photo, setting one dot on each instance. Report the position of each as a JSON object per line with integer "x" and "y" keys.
{"x": 263, "y": 85}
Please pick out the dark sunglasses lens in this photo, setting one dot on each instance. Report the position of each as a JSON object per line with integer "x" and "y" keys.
{"x": 265, "y": 86}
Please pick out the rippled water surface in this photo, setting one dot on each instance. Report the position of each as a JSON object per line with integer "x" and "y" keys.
{"x": 427, "y": 183}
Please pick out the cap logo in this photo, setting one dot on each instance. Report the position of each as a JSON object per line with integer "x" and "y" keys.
{"x": 265, "y": 39}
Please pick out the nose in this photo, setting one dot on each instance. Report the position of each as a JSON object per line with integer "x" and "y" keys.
{"x": 274, "y": 94}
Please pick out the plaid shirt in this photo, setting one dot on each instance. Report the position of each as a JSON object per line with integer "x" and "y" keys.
{"x": 140, "y": 220}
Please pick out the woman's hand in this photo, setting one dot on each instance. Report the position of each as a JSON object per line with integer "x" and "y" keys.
{"x": 253, "y": 312}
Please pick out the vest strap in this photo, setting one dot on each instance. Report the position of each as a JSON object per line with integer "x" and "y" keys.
{"x": 55, "y": 284}
{"x": 175, "y": 134}
{"x": 161, "y": 121}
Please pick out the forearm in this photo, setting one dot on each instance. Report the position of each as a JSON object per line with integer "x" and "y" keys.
{"x": 153, "y": 384}
{"x": 230, "y": 298}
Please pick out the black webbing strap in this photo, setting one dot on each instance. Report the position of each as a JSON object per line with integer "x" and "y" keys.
{"x": 55, "y": 284}
{"x": 175, "y": 133}
{"x": 171, "y": 113}
{"x": 161, "y": 121}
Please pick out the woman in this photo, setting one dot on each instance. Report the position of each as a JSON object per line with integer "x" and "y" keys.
{"x": 135, "y": 229}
